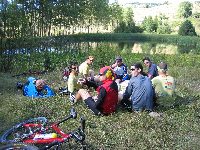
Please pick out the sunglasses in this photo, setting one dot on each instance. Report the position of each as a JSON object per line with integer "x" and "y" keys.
{"x": 132, "y": 69}
{"x": 146, "y": 62}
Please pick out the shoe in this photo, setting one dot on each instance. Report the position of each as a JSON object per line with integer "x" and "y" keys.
{"x": 156, "y": 115}
{"x": 63, "y": 91}
{"x": 72, "y": 98}
{"x": 19, "y": 85}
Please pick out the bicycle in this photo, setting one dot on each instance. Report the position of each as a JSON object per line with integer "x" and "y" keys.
{"x": 36, "y": 131}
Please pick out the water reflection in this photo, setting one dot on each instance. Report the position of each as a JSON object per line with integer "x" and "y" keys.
{"x": 126, "y": 47}
{"x": 159, "y": 48}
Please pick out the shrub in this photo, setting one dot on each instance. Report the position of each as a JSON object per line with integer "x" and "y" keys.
{"x": 187, "y": 29}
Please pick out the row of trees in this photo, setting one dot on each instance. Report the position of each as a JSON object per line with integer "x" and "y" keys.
{"x": 161, "y": 24}
{"x": 22, "y": 18}
{"x": 27, "y": 18}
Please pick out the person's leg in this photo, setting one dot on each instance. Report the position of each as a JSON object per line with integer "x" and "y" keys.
{"x": 90, "y": 102}
{"x": 91, "y": 73}
{"x": 82, "y": 94}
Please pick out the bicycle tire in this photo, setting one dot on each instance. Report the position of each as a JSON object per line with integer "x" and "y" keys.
{"x": 18, "y": 146}
{"x": 5, "y": 138}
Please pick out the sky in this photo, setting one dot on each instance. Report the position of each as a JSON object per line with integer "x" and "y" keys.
{"x": 149, "y": 1}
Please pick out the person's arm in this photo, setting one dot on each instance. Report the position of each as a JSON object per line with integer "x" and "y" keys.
{"x": 91, "y": 84}
{"x": 152, "y": 71}
{"x": 128, "y": 93}
{"x": 114, "y": 65}
{"x": 100, "y": 97}
{"x": 49, "y": 92}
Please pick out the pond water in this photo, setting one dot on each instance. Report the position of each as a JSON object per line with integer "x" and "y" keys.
{"x": 57, "y": 56}
{"x": 129, "y": 47}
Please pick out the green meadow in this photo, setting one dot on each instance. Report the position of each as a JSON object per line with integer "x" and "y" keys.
{"x": 178, "y": 128}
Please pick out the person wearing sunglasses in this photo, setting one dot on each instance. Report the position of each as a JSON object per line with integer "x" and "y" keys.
{"x": 105, "y": 102}
{"x": 152, "y": 68}
{"x": 139, "y": 92}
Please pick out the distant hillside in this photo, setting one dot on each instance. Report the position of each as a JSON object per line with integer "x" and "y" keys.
{"x": 142, "y": 10}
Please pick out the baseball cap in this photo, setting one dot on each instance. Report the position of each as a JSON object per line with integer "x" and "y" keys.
{"x": 162, "y": 66}
{"x": 107, "y": 70}
{"x": 118, "y": 58}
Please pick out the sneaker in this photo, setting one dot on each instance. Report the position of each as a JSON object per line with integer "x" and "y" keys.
{"x": 72, "y": 98}
{"x": 63, "y": 91}
{"x": 19, "y": 85}
{"x": 156, "y": 115}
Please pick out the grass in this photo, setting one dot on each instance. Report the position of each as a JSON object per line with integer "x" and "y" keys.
{"x": 178, "y": 129}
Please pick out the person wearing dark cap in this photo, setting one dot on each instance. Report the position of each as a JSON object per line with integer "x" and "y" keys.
{"x": 107, "y": 93}
{"x": 164, "y": 84}
{"x": 139, "y": 92}
{"x": 152, "y": 68}
{"x": 120, "y": 70}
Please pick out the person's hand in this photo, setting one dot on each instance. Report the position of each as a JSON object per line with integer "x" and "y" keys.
{"x": 114, "y": 65}
{"x": 81, "y": 81}
{"x": 95, "y": 98}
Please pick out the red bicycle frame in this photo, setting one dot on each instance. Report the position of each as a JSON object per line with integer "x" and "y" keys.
{"x": 32, "y": 140}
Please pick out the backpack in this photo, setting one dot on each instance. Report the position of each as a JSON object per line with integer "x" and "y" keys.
{"x": 65, "y": 74}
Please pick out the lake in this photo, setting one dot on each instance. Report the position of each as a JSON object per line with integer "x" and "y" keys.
{"x": 36, "y": 58}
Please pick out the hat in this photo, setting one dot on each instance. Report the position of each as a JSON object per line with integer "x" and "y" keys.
{"x": 40, "y": 83}
{"x": 107, "y": 70}
{"x": 118, "y": 58}
{"x": 162, "y": 66}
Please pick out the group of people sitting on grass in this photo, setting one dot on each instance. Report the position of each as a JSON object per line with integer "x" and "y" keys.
{"x": 114, "y": 86}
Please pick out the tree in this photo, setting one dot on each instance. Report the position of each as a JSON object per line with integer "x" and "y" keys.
{"x": 1, "y": 29}
{"x": 187, "y": 29}
{"x": 185, "y": 9}
{"x": 149, "y": 24}
{"x": 163, "y": 25}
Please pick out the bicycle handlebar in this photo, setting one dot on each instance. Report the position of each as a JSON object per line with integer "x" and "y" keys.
{"x": 73, "y": 114}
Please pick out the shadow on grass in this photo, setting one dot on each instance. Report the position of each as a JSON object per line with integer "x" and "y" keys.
{"x": 176, "y": 102}
{"x": 166, "y": 103}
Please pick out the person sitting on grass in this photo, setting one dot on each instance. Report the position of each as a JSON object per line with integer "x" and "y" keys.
{"x": 84, "y": 68}
{"x": 120, "y": 69}
{"x": 139, "y": 92}
{"x": 163, "y": 84}
{"x": 106, "y": 101}
{"x": 73, "y": 84}
{"x": 37, "y": 88}
{"x": 152, "y": 68}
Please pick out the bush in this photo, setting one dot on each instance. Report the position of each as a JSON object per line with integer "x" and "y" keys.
{"x": 187, "y": 29}
{"x": 127, "y": 28}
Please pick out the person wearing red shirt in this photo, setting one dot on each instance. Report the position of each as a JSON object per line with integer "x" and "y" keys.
{"x": 107, "y": 93}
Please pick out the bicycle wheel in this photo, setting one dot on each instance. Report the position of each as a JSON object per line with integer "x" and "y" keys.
{"x": 18, "y": 132}
{"x": 18, "y": 146}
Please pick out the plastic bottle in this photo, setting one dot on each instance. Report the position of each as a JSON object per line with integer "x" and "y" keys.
{"x": 45, "y": 136}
